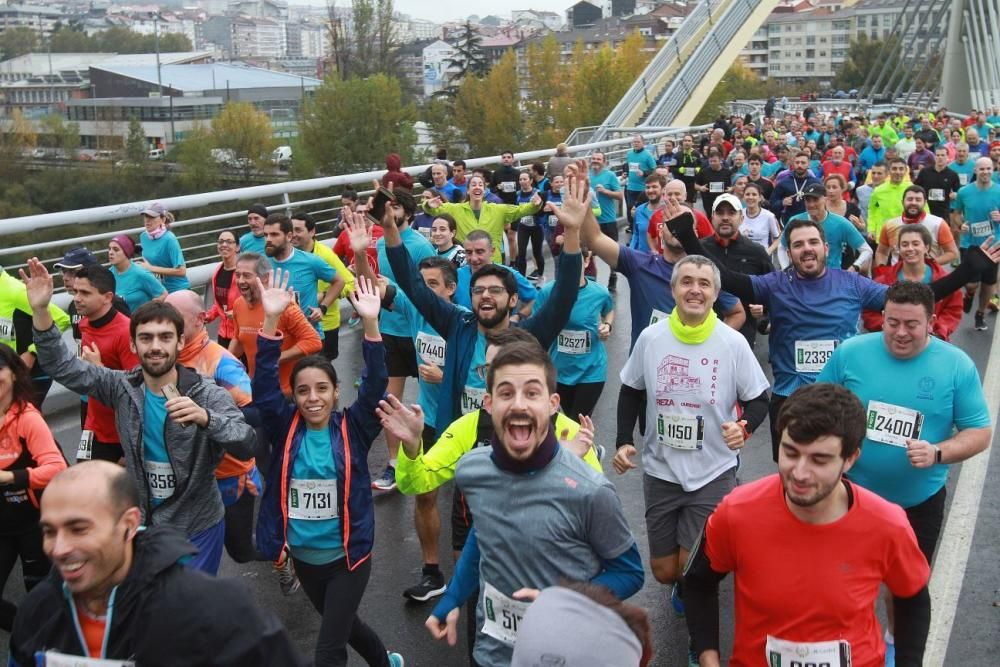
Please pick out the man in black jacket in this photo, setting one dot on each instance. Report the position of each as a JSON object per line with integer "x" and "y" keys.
{"x": 118, "y": 591}
{"x": 504, "y": 180}
{"x": 736, "y": 252}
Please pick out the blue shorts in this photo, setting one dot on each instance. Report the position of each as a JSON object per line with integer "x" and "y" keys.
{"x": 209, "y": 543}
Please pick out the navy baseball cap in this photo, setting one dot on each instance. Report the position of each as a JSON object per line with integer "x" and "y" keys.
{"x": 77, "y": 258}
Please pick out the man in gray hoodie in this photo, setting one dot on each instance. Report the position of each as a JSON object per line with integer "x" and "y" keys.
{"x": 174, "y": 424}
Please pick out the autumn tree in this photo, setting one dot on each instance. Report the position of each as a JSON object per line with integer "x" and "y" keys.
{"x": 439, "y": 116}
{"x": 136, "y": 147}
{"x": 17, "y": 139}
{"x": 351, "y": 125}
{"x": 865, "y": 56}
{"x": 199, "y": 170}
{"x": 16, "y": 42}
{"x": 246, "y": 132}
{"x": 547, "y": 89}
{"x": 469, "y": 61}
{"x": 487, "y": 110}
{"x": 368, "y": 45}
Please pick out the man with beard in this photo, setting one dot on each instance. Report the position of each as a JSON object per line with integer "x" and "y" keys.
{"x": 304, "y": 270}
{"x": 479, "y": 253}
{"x": 813, "y": 307}
{"x": 787, "y": 200}
{"x": 174, "y": 424}
{"x": 736, "y": 251}
{"x": 253, "y": 241}
{"x": 528, "y": 494}
{"x": 840, "y": 234}
{"x": 820, "y": 606}
{"x": 944, "y": 249}
{"x": 494, "y": 299}
{"x": 299, "y": 338}
{"x": 644, "y": 211}
{"x": 703, "y": 394}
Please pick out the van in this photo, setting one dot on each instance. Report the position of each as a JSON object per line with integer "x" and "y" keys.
{"x": 104, "y": 155}
{"x": 282, "y": 156}
{"x": 156, "y": 154}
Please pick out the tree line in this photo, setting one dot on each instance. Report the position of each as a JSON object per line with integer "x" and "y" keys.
{"x": 16, "y": 42}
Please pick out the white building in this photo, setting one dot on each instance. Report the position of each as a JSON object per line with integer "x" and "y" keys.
{"x": 40, "y": 19}
{"x": 257, "y": 38}
{"x": 436, "y": 71}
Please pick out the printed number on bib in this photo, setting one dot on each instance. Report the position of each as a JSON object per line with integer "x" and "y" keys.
{"x": 527, "y": 221}
{"x": 312, "y": 499}
{"x": 635, "y": 168}
{"x": 55, "y": 659}
{"x": 6, "y": 328}
{"x": 657, "y": 316}
{"x": 430, "y": 348}
{"x": 892, "y": 424}
{"x": 573, "y": 342}
{"x": 85, "y": 450}
{"x": 716, "y": 186}
{"x": 963, "y": 179}
{"x": 161, "y": 479}
{"x": 553, "y": 221}
{"x": 812, "y": 355}
{"x": 501, "y": 615}
{"x": 935, "y": 194}
{"x": 782, "y": 653}
{"x": 984, "y": 228}
{"x": 679, "y": 431}
{"x": 508, "y": 186}
{"x": 472, "y": 399}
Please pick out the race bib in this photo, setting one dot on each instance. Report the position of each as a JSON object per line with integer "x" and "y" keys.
{"x": 431, "y": 348}
{"x": 984, "y": 228}
{"x": 553, "y": 221}
{"x": 6, "y": 328}
{"x": 812, "y": 355}
{"x": 160, "y": 478}
{"x": 679, "y": 431}
{"x": 635, "y": 168}
{"x": 963, "y": 179}
{"x": 527, "y": 221}
{"x": 501, "y": 615}
{"x": 54, "y": 659}
{"x": 782, "y": 653}
{"x": 573, "y": 342}
{"x": 935, "y": 194}
{"x": 892, "y": 424}
{"x": 657, "y": 316}
{"x": 508, "y": 186}
{"x": 312, "y": 499}
{"x": 716, "y": 186}
{"x": 85, "y": 450}
{"x": 472, "y": 399}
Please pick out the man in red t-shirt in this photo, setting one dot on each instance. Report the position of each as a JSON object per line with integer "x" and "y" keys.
{"x": 810, "y": 551}
{"x": 104, "y": 340}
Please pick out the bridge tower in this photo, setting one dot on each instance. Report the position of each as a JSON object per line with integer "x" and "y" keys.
{"x": 970, "y": 77}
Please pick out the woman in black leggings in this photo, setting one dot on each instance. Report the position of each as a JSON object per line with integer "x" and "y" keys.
{"x": 528, "y": 229}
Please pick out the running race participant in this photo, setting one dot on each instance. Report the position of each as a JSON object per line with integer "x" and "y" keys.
{"x": 443, "y": 238}
{"x": 704, "y": 394}
{"x": 161, "y": 251}
{"x": 963, "y": 167}
{"x": 876, "y": 177}
{"x": 787, "y": 200}
{"x": 120, "y": 595}
{"x": 494, "y": 297}
{"x": 527, "y": 493}
{"x": 813, "y": 308}
{"x": 253, "y": 240}
{"x": 299, "y": 338}
{"x": 318, "y": 498}
{"x": 609, "y": 194}
{"x": 528, "y": 230}
{"x": 640, "y": 163}
{"x": 764, "y": 186}
{"x": 304, "y": 238}
{"x": 838, "y": 231}
{"x": 886, "y": 201}
{"x": 687, "y": 167}
{"x": 479, "y": 253}
{"x": 820, "y": 608}
{"x": 917, "y": 265}
{"x": 224, "y": 289}
{"x": 239, "y": 481}
{"x": 174, "y": 425}
{"x": 578, "y": 352}
{"x": 943, "y": 248}
{"x": 105, "y": 341}
{"x": 644, "y": 211}
{"x": 941, "y": 184}
{"x": 133, "y": 282}
{"x": 759, "y": 224}
{"x": 505, "y": 178}
{"x": 712, "y": 180}
{"x": 30, "y": 459}
{"x": 977, "y": 209}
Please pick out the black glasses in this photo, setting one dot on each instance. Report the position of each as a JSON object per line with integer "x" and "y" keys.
{"x": 494, "y": 290}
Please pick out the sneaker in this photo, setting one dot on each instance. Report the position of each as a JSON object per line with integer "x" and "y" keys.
{"x": 430, "y": 586}
{"x": 981, "y": 322}
{"x": 676, "y": 601}
{"x": 354, "y": 320}
{"x": 387, "y": 480}
{"x": 395, "y": 659}
{"x": 890, "y": 655}
{"x": 692, "y": 656}
{"x": 994, "y": 304}
{"x": 967, "y": 302}
{"x": 535, "y": 275}
{"x": 285, "y": 570}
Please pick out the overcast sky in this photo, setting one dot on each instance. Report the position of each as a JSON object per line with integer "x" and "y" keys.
{"x": 446, "y": 10}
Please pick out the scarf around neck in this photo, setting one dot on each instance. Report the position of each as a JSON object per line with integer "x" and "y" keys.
{"x": 539, "y": 459}
{"x": 692, "y": 335}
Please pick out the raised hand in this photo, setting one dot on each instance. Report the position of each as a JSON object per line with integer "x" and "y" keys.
{"x": 359, "y": 232}
{"x": 276, "y": 296}
{"x": 38, "y": 283}
{"x": 575, "y": 205}
{"x": 365, "y": 299}
{"x": 402, "y": 423}
{"x": 581, "y": 443}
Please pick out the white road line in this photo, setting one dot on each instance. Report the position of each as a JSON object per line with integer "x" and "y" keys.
{"x": 952, "y": 556}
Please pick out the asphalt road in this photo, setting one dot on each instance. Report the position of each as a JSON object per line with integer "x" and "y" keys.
{"x": 397, "y": 561}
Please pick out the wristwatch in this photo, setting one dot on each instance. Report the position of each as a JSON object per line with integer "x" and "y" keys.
{"x": 323, "y": 308}
{"x": 937, "y": 456}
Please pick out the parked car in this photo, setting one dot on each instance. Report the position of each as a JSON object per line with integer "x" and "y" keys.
{"x": 282, "y": 156}
{"x": 156, "y": 154}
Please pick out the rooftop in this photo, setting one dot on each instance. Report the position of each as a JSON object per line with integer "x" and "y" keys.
{"x": 43, "y": 63}
{"x": 214, "y": 76}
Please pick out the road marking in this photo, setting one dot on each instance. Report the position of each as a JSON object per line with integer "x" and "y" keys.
{"x": 960, "y": 527}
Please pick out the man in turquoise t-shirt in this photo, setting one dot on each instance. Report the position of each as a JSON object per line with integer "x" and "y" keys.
{"x": 609, "y": 193}
{"x": 977, "y": 207}
{"x": 937, "y": 415}
{"x": 304, "y": 269}
{"x": 641, "y": 164}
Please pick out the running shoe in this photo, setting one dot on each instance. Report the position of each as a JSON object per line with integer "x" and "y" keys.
{"x": 967, "y": 302}
{"x": 535, "y": 275}
{"x": 676, "y": 601}
{"x": 395, "y": 659}
{"x": 430, "y": 586}
{"x": 285, "y": 570}
{"x": 692, "y": 656}
{"x": 981, "y": 322}
{"x": 994, "y": 304}
{"x": 386, "y": 481}
{"x": 600, "y": 450}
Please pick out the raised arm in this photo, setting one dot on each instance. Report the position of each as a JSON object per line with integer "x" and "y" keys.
{"x": 374, "y": 376}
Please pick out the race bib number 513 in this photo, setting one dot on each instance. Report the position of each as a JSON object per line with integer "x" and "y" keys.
{"x": 501, "y": 615}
